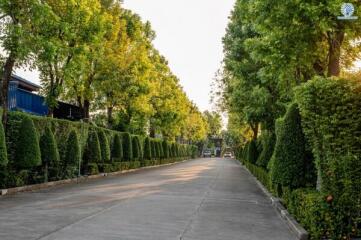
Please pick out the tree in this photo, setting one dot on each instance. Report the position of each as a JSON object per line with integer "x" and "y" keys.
{"x": 22, "y": 27}
{"x": 49, "y": 154}
{"x": 214, "y": 121}
{"x": 27, "y": 154}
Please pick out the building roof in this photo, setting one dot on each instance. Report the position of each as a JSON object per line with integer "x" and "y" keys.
{"x": 25, "y": 84}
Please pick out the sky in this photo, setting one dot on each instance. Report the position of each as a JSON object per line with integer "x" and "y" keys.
{"x": 189, "y": 35}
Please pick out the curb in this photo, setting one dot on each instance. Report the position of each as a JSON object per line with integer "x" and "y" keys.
{"x": 296, "y": 228}
{"x": 81, "y": 179}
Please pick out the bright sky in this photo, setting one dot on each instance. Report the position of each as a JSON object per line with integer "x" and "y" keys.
{"x": 189, "y": 35}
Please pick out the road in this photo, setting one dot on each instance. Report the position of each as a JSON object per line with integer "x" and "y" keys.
{"x": 202, "y": 199}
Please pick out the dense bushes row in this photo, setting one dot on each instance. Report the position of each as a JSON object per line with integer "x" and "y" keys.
{"x": 317, "y": 143}
{"x": 38, "y": 149}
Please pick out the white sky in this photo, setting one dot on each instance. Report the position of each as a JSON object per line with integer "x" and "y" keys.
{"x": 189, "y": 35}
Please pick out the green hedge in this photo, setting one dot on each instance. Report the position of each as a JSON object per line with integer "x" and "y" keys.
{"x": 331, "y": 120}
{"x": 147, "y": 149}
{"x": 136, "y": 148}
{"x": 117, "y": 149}
{"x": 75, "y": 142}
{"x": 268, "y": 143}
{"x": 290, "y": 159}
{"x": 49, "y": 155}
{"x": 3, "y": 149}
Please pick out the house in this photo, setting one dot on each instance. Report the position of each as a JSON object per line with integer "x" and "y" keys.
{"x": 23, "y": 97}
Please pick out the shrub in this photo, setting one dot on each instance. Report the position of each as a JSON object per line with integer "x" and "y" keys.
{"x": 252, "y": 152}
{"x": 268, "y": 142}
{"x": 127, "y": 147}
{"x": 92, "y": 152}
{"x": 104, "y": 146}
{"x": 153, "y": 149}
{"x": 165, "y": 149}
{"x": 27, "y": 154}
{"x": 136, "y": 148}
{"x": 49, "y": 154}
{"x": 117, "y": 149}
{"x": 290, "y": 159}
{"x": 157, "y": 149}
{"x": 72, "y": 152}
{"x": 147, "y": 149}
{"x": 161, "y": 151}
{"x": 3, "y": 150}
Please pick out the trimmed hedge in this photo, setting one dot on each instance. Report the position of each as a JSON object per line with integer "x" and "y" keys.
{"x": 136, "y": 148}
{"x": 72, "y": 139}
{"x": 27, "y": 154}
{"x": 104, "y": 146}
{"x": 117, "y": 149}
{"x": 331, "y": 120}
{"x": 72, "y": 154}
{"x": 252, "y": 153}
{"x": 3, "y": 150}
{"x": 92, "y": 152}
{"x": 127, "y": 147}
{"x": 268, "y": 142}
{"x": 49, "y": 154}
{"x": 290, "y": 158}
{"x": 147, "y": 149}
{"x": 165, "y": 147}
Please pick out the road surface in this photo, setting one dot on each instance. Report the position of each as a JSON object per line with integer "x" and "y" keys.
{"x": 203, "y": 199}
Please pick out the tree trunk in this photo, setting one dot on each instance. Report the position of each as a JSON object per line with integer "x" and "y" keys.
{"x": 8, "y": 69}
{"x": 335, "y": 44}
{"x": 110, "y": 117}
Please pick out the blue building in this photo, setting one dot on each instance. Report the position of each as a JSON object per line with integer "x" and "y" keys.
{"x": 23, "y": 97}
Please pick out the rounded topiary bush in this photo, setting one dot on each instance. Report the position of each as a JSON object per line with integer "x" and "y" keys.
{"x": 153, "y": 149}
{"x": 147, "y": 149}
{"x": 3, "y": 150}
{"x": 27, "y": 154}
{"x": 136, "y": 148}
{"x": 268, "y": 142}
{"x": 287, "y": 166}
{"x": 252, "y": 152}
{"x": 72, "y": 151}
{"x": 127, "y": 147}
{"x": 92, "y": 151}
{"x": 165, "y": 147}
{"x": 104, "y": 146}
{"x": 117, "y": 149}
{"x": 49, "y": 154}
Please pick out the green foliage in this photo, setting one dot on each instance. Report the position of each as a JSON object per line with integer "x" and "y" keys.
{"x": 252, "y": 153}
{"x": 49, "y": 154}
{"x": 104, "y": 146}
{"x": 136, "y": 148}
{"x": 165, "y": 147}
{"x": 117, "y": 149}
{"x": 290, "y": 158}
{"x": 127, "y": 147}
{"x": 331, "y": 116}
{"x": 27, "y": 154}
{"x": 260, "y": 173}
{"x": 268, "y": 142}
{"x": 157, "y": 149}
{"x": 72, "y": 152}
{"x": 161, "y": 151}
{"x": 147, "y": 149}
{"x": 92, "y": 151}
{"x": 153, "y": 149}
{"x": 3, "y": 149}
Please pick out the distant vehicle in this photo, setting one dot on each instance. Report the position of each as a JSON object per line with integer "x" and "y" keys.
{"x": 227, "y": 155}
{"x": 207, "y": 153}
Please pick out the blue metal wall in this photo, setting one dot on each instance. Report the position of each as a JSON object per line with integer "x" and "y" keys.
{"x": 26, "y": 101}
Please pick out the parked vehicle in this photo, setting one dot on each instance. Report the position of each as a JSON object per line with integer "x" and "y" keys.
{"x": 207, "y": 153}
{"x": 227, "y": 155}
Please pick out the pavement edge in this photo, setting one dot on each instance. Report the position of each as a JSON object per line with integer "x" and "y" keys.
{"x": 296, "y": 228}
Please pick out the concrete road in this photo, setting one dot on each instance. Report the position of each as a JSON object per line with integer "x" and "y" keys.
{"x": 203, "y": 199}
